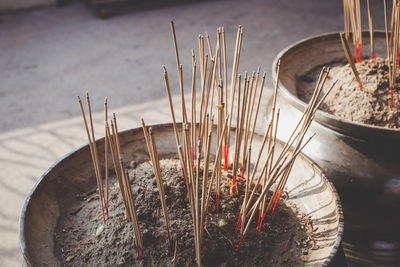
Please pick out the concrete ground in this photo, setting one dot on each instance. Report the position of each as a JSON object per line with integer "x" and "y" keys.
{"x": 50, "y": 55}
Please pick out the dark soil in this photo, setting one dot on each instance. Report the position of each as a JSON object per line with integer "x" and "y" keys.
{"x": 348, "y": 102}
{"x": 285, "y": 238}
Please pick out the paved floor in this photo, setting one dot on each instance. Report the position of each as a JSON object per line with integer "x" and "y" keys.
{"x": 50, "y": 55}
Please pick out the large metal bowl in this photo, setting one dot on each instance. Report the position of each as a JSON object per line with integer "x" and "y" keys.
{"x": 314, "y": 53}
{"x": 362, "y": 160}
{"x": 308, "y": 188}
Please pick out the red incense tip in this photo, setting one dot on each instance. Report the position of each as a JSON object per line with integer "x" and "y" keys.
{"x": 241, "y": 176}
{"x": 260, "y": 217}
{"x": 184, "y": 178}
{"x": 193, "y": 154}
{"x": 217, "y": 202}
{"x": 240, "y": 242}
{"x": 287, "y": 244}
{"x": 356, "y": 51}
{"x": 361, "y": 86}
{"x": 239, "y": 223}
{"x": 277, "y": 200}
{"x": 261, "y": 221}
{"x": 139, "y": 253}
{"x": 391, "y": 97}
{"x": 107, "y": 211}
{"x": 226, "y": 157}
{"x": 309, "y": 224}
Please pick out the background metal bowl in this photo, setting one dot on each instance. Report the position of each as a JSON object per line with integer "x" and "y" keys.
{"x": 362, "y": 160}
{"x": 308, "y": 188}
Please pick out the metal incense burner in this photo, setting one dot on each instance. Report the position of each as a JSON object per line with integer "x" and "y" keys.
{"x": 363, "y": 161}
{"x": 310, "y": 191}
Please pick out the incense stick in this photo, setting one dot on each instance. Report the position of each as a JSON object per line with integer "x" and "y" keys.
{"x": 349, "y": 58}
{"x": 371, "y": 29}
{"x": 93, "y": 152}
{"x": 106, "y": 154}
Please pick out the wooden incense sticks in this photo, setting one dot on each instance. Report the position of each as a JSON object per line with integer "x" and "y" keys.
{"x": 359, "y": 31}
{"x": 152, "y": 148}
{"x": 352, "y": 14}
{"x": 257, "y": 109}
{"x": 393, "y": 48}
{"x": 235, "y": 68}
{"x": 346, "y": 15}
{"x": 186, "y": 153}
{"x": 106, "y": 140}
{"x": 94, "y": 154}
{"x": 196, "y": 141}
{"x": 218, "y": 161}
{"x": 178, "y": 143}
{"x": 349, "y": 59}
{"x": 111, "y": 142}
{"x": 371, "y": 29}
{"x": 193, "y": 121}
{"x": 279, "y": 172}
{"x": 124, "y": 184}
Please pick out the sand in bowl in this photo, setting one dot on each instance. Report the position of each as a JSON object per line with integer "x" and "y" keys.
{"x": 285, "y": 238}
{"x": 348, "y": 102}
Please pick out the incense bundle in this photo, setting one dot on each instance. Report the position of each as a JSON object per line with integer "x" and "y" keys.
{"x": 95, "y": 157}
{"x": 112, "y": 143}
{"x": 152, "y": 148}
{"x": 197, "y": 137}
{"x": 193, "y": 141}
{"x": 277, "y": 172}
{"x": 352, "y": 15}
{"x": 123, "y": 180}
